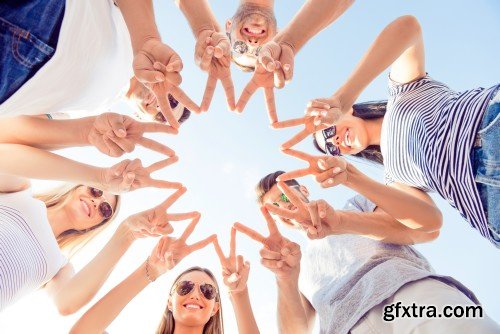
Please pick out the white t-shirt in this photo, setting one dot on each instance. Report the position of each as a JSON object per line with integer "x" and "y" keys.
{"x": 91, "y": 65}
{"x": 29, "y": 253}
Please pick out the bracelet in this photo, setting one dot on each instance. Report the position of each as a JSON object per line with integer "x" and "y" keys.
{"x": 148, "y": 276}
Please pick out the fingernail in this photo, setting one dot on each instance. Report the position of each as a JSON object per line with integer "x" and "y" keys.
{"x": 323, "y": 113}
{"x": 330, "y": 181}
{"x": 286, "y": 67}
{"x": 130, "y": 175}
{"x": 159, "y": 77}
{"x": 210, "y": 51}
{"x": 336, "y": 170}
{"x": 170, "y": 68}
{"x": 122, "y": 132}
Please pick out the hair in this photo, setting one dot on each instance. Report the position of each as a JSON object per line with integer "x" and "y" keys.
{"x": 365, "y": 110}
{"x": 215, "y": 325}
{"x": 267, "y": 182}
{"x": 72, "y": 241}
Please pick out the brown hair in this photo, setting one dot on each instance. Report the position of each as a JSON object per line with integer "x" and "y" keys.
{"x": 71, "y": 241}
{"x": 268, "y": 181}
{"x": 215, "y": 325}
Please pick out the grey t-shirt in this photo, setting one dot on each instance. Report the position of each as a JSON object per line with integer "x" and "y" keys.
{"x": 344, "y": 276}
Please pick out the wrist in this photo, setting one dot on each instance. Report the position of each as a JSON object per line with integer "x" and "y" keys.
{"x": 352, "y": 176}
{"x": 198, "y": 31}
{"x": 238, "y": 293}
{"x": 286, "y": 39}
{"x": 150, "y": 271}
{"x": 290, "y": 283}
{"x": 84, "y": 128}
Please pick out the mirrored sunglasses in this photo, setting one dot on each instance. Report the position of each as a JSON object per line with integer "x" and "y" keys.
{"x": 330, "y": 147}
{"x": 208, "y": 291}
{"x": 105, "y": 208}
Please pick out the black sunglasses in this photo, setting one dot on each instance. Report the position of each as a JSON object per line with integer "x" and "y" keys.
{"x": 327, "y": 134}
{"x": 184, "y": 287}
{"x": 173, "y": 103}
{"x": 104, "y": 208}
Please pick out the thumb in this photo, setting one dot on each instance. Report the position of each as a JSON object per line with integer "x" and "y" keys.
{"x": 117, "y": 126}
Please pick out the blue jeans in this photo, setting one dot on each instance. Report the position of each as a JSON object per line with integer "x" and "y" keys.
{"x": 486, "y": 164}
{"x": 29, "y": 30}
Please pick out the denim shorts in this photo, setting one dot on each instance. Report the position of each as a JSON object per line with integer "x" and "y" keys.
{"x": 29, "y": 30}
{"x": 486, "y": 165}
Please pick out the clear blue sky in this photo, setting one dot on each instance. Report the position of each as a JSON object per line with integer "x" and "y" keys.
{"x": 223, "y": 155}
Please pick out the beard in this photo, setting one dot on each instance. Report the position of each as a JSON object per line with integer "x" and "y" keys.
{"x": 245, "y": 10}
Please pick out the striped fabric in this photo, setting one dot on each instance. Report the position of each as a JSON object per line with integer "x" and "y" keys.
{"x": 29, "y": 254}
{"x": 427, "y": 136}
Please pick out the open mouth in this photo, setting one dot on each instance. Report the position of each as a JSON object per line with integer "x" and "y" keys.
{"x": 254, "y": 32}
{"x": 190, "y": 306}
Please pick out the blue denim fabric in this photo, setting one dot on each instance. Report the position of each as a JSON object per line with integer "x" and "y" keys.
{"x": 29, "y": 31}
{"x": 486, "y": 164}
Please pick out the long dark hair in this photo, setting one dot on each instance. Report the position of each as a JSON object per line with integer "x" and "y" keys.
{"x": 365, "y": 110}
{"x": 215, "y": 325}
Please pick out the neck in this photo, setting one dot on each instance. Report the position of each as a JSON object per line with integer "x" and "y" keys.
{"x": 58, "y": 220}
{"x": 374, "y": 127}
{"x": 262, "y": 3}
{"x": 181, "y": 329}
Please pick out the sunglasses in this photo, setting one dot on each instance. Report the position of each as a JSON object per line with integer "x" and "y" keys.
{"x": 104, "y": 208}
{"x": 327, "y": 134}
{"x": 240, "y": 48}
{"x": 184, "y": 287}
{"x": 173, "y": 103}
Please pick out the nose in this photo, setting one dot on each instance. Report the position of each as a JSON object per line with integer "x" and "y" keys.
{"x": 336, "y": 140}
{"x": 253, "y": 41}
{"x": 195, "y": 293}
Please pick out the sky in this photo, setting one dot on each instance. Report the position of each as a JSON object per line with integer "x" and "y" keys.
{"x": 223, "y": 155}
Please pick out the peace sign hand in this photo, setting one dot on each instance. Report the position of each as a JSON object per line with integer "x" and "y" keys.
{"x": 261, "y": 78}
{"x": 235, "y": 269}
{"x": 130, "y": 175}
{"x": 326, "y": 111}
{"x": 309, "y": 128}
{"x": 279, "y": 254}
{"x": 271, "y": 55}
{"x": 171, "y": 251}
{"x": 114, "y": 134}
{"x": 212, "y": 55}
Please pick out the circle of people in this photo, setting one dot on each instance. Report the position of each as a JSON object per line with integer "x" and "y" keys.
{"x": 426, "y": 137}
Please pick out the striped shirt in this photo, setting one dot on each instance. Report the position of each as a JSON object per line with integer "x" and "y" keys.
{"x": 29, "y": 253}
{"x": 427, "y": 136}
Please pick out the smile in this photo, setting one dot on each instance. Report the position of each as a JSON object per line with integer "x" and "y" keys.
{"x": 86, "y": 207}
{"x": 193, "y": 306}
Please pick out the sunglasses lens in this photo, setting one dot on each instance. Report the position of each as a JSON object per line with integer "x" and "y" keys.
{"x": 105, "y": 210}
{"x": 172, "y": 101}
{"x": 208, "y": 290}
{"x": 95, "y": 192}
{"x": 160, "y": 118}
{"x": 240, "y": 47}
{"x": 284, "y": 198}
{"x": 184, "y": 287}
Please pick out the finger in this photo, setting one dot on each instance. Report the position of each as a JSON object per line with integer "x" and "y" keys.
{"x": 282, "y": 212}
{"x": 279, "y": 78}
{"x": 185, "y": 100}
{"x": 299, "y": 155}
{"x": 271, "y": 224}
{"x": 232, "y": 245}
{"x": 250, "y": 232}
{"x": 159, "y": 248}
{"x": 127, "y": 181}
{"x": 271, "y": 104}
{"x": 117, "y": 126}
{"x": 329, "y": 163}
{"x": 175, "y": 64}
{"x": 158, "y": 127}
{"x": 149, "y": 76}
{"x": 156, "y": 146}
{"x": 295, "y": 174}
{"x": 172, "y": 198}
{"x": 268, "y": 254}
{"x": 163, "y": 229}
{"x": 289, "y": 123}
{"x": 295, "y": 139}
{"x": 220, "y": 252}
{"x": 267, "y": 60}
{"x": 292, "y": 195}
{"x": 200, "y": 244}
{"x": 318, "y": 103}
{"x": 247, "y": 93}
{"x": 239, "y": 263}
{"x": 227, "y": 84}
{"x": 162, "y": 164}
{"x": 209, "y": 93}
{"x": 314, "y": 215}
{"x": 206, "y": 59}
{"x": 126, "y": 145}
{"x": 182, "y": 216}
{"x": 189, "y": 229}
{"x": 113, "y": 149}
{"x": 331, "y": 182}
{"x": 271, "y": 264}
{"x": 162, "y": 184}
{"x": 288, "y": 71}
{"x": 161, "y": 96}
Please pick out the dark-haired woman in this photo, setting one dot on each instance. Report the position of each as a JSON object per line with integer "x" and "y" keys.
{"x": 430, "y": 138}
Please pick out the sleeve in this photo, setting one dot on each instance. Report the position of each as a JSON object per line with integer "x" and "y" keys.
{"x": 359, "y": 203}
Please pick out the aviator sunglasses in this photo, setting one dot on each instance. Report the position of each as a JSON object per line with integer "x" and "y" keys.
{"x": 104, "y": 208}
{"x": 240, "y": 48}
{"x": 184, "y": 287}
{"x": 327, "y": 134}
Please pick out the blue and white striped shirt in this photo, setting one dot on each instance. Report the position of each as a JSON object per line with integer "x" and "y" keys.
{"x": 427, "y": 136}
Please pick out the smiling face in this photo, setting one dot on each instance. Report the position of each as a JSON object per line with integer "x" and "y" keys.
{"x": 83, "y": 210}
{"x": 275, "y": 196}
{"x": 193, "y": 309}
{"x": 351, "y": 135}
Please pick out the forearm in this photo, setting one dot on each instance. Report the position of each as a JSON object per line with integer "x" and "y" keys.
{"x": 140, "y": 19}
{"x": 34, "y": 163}
{"x": 244, "y": 314}
{"x": 102, "y": 314}
{"x": 292, "y": 317}
{"x": 199, "y": 15}
{"x": 409, "y": 210}
{"x": 313, "y": 17}
{"x": 84, "y": 285}
{"x": 45, "y": 133}
{"x": 398, "y": 36}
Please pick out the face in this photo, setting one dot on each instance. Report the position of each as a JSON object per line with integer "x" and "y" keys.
{"x": 85, "y": 209}
{"x": 351, "y": 136}
{"x": 148, "y": 105}
{"x": 276, "y": 197}
{"x": 193, "y": 309}
{"x": 251, "y": 27}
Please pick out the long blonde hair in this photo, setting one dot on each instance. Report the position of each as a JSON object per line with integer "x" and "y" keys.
{"x": 71, "y": 241}
{"x": 215, "y": 325}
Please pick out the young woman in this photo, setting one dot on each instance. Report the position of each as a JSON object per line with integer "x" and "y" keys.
{"x": 194, "y": 303}
{"x": 430, "y": 138}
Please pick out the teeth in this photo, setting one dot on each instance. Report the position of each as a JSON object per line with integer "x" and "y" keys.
{"x": 346, "y": 138}
{"x": 192, "y": 306}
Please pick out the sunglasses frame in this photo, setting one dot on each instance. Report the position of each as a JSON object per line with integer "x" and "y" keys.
{"x": 200, "y": 287}
{"x": 330, "y": 147}
{"x": 254, "y": 52}
{"x": 93, "y": 192}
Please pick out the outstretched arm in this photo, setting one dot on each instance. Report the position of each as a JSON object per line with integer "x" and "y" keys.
{"x": 199, "y": 15}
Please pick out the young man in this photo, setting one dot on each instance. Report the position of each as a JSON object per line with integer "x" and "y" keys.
{"x": 353, "y": 283}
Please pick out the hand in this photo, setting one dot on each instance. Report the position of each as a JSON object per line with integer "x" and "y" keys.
{"x": 279, "y": 254}
{"x": 273, "y": 54}
{"x": 114, "y": 134}
{"x": 309, "y": 128}
{"x": 235, "y": 269}
{"x": 130, "y": 175}
{"x": 212, "y": 55}
{"x": 261, "y": 78}
{"x": 326, "y": 111}
{"x": 158, "y": 67}
{"x": 155, "y": 222}
{"x": 171, "y": 251}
